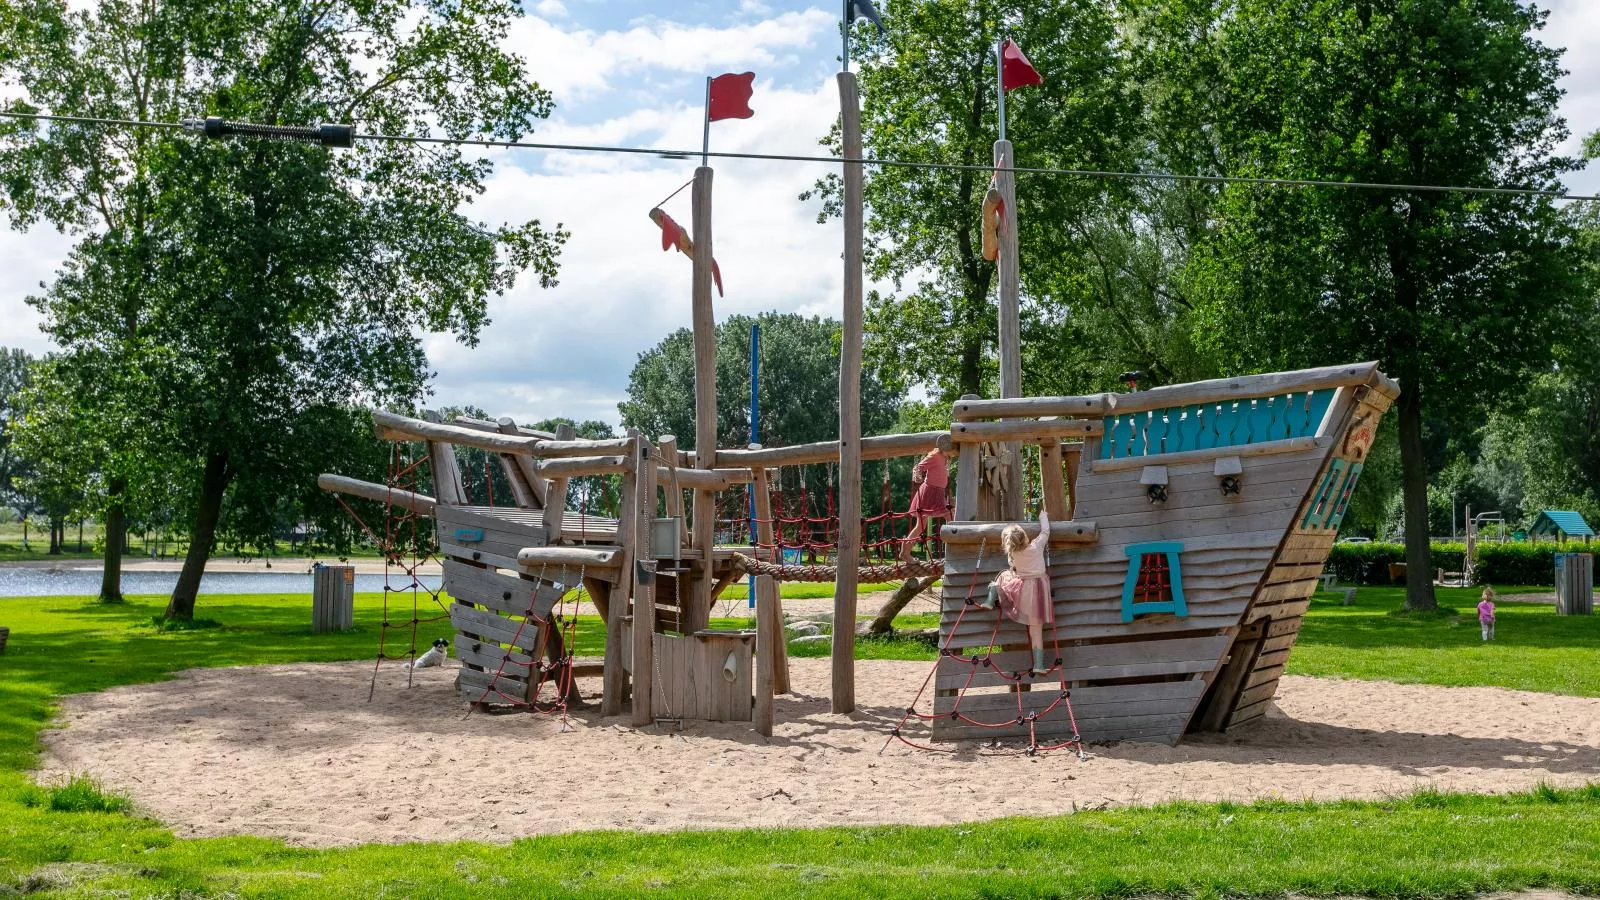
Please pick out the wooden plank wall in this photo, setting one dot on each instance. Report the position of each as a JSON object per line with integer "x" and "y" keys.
{"x": 1280, "y": 605}
{"x": 692, "y": 684}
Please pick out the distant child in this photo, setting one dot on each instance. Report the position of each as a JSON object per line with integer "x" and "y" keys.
{"x": 1486, "y": 613}
{"x": 931, "y": 476}
{"x": 1023, "y": 591}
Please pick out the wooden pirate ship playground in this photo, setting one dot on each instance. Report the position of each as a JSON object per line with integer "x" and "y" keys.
{"x": 1189, "y": 525}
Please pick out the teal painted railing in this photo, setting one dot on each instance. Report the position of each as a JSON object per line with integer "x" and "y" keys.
{"x": 1204, "y": 426}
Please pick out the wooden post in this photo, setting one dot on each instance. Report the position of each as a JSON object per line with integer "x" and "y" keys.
{"x": 696, "y": 606}
{"x": 969, "y": 477}
{"x": 1073, "y": 455}
{"x": 555, "y": 495}
{"x": 447, "y": 487}
{"x": 1010, "y": 327}
{"x": 615, "y": 676}
{"x": 644, "y": 589}
{"x": 844, "y": 590}
{"x": 767, "y": 588}
{"x": 667, "y": 448}
{"x": 536, "y": 484}
{"x": 769, "y": 633}
{"x": 1050, "y": 481}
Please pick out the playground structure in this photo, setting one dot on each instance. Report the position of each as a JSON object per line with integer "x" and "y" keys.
{"x": 1189, "y": 525}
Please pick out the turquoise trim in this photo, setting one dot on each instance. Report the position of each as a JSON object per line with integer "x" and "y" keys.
{"x": 1206, "y": 426}
{"x": 1349, "y": 488}
{"x": 1317, "y": 511}
{"x": 468, "y": 535}
{"x": 1136, "y": 554}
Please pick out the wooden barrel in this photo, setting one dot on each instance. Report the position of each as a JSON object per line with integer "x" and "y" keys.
{"x": 333, "y": 598}
{"x": 1574, "y": 584}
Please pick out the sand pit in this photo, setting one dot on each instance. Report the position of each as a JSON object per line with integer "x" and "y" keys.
{"x": 297, "y": 752}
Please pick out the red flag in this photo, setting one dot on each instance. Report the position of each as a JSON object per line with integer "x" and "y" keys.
{"x": 730, "y": 97}
{"x": 1015, "y": 70}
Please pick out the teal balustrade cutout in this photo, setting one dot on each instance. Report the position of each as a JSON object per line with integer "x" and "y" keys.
{"x": 1205, "y": 426}
{"x": 1337, "y": 515}
{"x": 468, "y": 535}
{"x": 1317, "y": 512}
{"x": 1136, "y": 554}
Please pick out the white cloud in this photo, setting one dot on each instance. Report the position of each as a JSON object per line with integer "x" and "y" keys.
{"x": 1574, "y": 23}
{"x": 551, "y": 9}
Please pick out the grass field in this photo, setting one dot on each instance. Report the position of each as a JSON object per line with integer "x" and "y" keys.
{"x": 1426, "y": 845}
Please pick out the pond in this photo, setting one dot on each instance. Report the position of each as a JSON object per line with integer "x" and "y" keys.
{"x": 25, "y": 581}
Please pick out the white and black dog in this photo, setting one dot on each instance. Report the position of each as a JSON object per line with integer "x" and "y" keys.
{"x": 434, "y": 657}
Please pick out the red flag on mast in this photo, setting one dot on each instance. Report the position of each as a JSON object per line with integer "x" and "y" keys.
{"x": 1015, "y": 70}
{"x": 730, "y": 97}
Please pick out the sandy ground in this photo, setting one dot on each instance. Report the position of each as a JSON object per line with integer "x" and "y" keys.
{"x": 297, "y": 752}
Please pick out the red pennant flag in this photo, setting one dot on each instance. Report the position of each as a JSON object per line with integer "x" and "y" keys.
{"x": 730, "y": 97}
{"x": 671, "y": 231}
{"x": 1015, "y": 70}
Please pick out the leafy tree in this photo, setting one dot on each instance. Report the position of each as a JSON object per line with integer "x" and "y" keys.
{"x": 15, "y": 364}
{"x": 1459, "y": 295}
{"x": 928, "y": 91}
{"x": 250, "y": 282}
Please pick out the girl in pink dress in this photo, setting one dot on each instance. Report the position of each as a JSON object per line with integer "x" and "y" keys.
{"x": 931, "y": 476}
{"x": 1023, "y": 591}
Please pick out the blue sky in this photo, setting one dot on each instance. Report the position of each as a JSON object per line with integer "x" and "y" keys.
{"x": 632, "y": 72}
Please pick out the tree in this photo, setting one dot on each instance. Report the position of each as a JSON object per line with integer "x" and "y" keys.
{"x": 929, "y": 96}
{"x": 15, "y": 365}
{"x": 1459, "y": 295}
{"x": 252, "y": 281}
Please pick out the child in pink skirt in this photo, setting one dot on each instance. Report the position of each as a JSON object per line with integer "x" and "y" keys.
{"x": 1486, "y": 613}
{"x": 931, "y": 476}
{"x": 1023, "y": 591}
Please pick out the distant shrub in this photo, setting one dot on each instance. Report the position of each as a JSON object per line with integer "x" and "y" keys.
{"x": 1517, "y": 563}
{"x": 79, "y": 794}
{"x": 1522, "y": 563}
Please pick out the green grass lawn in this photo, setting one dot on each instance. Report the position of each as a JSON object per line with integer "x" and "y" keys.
{"x": 1426, "y": 845}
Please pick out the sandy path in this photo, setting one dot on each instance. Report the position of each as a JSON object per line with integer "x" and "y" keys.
{"x": 297, "y": 752}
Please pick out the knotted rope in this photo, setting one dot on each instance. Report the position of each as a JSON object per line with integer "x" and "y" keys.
{"x": 867, "y": 574}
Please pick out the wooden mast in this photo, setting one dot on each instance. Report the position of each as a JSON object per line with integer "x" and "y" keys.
{"x": 696, "y": 605}
{"x": 1010, "y": 328}
{"x": 844, "y": 592}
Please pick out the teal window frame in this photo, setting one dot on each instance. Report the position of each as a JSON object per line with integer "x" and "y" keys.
{"x": 1136, "y": 554}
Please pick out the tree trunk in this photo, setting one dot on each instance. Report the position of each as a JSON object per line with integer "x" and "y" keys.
{"x": 883, "y": 623}
{"x": 213, "y": 484}
{"x": 1414, "y": 489}
{"x": 56, "y": 536}
{"x": 80, "y": 535}
{"x": 114, "y": 525}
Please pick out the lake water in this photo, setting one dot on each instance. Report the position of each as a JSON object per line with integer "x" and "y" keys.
{"x": 17, "y": 581}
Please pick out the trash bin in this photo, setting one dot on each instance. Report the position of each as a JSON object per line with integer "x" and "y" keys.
{"x": 1574, "y": 584}
{"x": 333, "y": 598}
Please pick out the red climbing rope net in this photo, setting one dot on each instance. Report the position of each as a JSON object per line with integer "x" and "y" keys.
{"x": 550, "y": 663}
{"x": 805, "y": 527}
{"x": 1015, "y": 680}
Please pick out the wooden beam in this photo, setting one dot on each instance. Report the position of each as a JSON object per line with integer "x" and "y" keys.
{"x": 538, "y": 484}
{"x": 643, "y": 514}
{"x": 1088, "y": 406}
{"x": 1050, "y": 480}
{"x": 421, "y": 504}
{"x": 395, "y": 427}
{"x": 695, "y": 603}
{"x": 1025, "y": 430}
{"x": 1007, "y": 268}
{"x": 590, "y": 557}
{"x": 885, "y": 446}
{"x": 1068, "y": 532}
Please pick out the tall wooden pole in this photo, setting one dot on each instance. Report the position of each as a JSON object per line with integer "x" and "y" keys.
{"x": 844, "y": 591}
{"x": 1010, "y": 327}
{"x": 697, "y": 605}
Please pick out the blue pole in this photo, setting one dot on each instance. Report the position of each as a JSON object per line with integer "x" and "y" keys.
{"x": 755, "y": 415}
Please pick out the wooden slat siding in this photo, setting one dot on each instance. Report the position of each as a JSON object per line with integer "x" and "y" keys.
{"x": 497, "y": 590}
{"x": 1289, "y": 609}
{"x": 1094, "y": 662}
{"x": 729, "y": 701}
{"x": 1103, "y": 572}
{"x": 1294, "y": 590}
{"x": 488, "y": 656}
{"x": 1248, "y": 714}
{"x": 474, "y": 687}
{"x": 1279, "y": 642}
{"x": 1286, "y": 574}
{"x": 1285, "y": 626}
{"x": 501, "y": 537}
{"x": 1263, "y": 674}
{"x": 1273, "y": 658}
{"x": 1254, "y": 694}
{"x": 671, "y": 689}
{"x": 1192, "y": 486}
{"x": 1210, "y": 454}
{"x": 1239, "y": 662}
{"x": 473, "y": 555}
{"x": 976, "y": 632}
{"x": 1155, "y": 712}
{"x": 493, "y": 627}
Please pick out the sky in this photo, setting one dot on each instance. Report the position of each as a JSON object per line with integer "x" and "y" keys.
{"x": 631, "y": 72}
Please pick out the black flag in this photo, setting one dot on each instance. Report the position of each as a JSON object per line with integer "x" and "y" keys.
{"x": 863, "y": 9}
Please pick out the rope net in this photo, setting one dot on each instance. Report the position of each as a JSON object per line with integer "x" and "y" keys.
{"x": 1015, "y": 681}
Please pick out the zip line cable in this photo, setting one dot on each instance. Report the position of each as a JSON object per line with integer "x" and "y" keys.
{"x": 343, "y": 136}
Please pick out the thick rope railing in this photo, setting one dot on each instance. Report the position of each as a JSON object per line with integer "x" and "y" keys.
{"x": 823, "y": 573}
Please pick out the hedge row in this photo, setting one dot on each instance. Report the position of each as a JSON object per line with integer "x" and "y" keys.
{"x": 1521, "y": 563}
